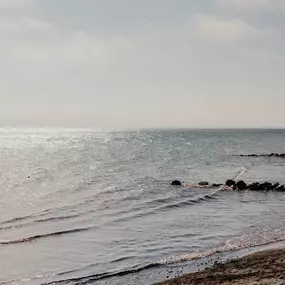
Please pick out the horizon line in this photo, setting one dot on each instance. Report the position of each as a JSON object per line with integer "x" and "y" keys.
{"x": 98, "y": 129}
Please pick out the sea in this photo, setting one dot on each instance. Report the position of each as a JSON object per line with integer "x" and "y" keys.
{"x": 97, "y": 207}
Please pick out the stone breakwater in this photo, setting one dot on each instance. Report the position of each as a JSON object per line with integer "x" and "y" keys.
{"x": 281, "y": 155}
{"x": 239, "y": 185}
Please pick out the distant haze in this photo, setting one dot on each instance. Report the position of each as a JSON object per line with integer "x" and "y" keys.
{"x": 142, "y": 63}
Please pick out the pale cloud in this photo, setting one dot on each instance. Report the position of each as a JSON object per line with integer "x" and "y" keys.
{"x": 7, "y": 4}
{"x": 212, "y": 28}
{"x": 46, "y": 62}
{"x": 253, "y": 4}
{"x": 18, "y": 27}
{"x": 58, "y": 68}
{"x": 34, "y": 41}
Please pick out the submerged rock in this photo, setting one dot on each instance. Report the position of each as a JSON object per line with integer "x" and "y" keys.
{"x": 281, "y": 155}
{"x": 265, "y": 186}
{"x": 241, "y": 185}
{"x": 254, "y": 186}
{"x": 203, "y": 183}
{"x": 176, "y": 183}
{"x": 274, "y": 186}
{"x": 217, "y": 185}
{"x": 230, "y": 183}
{"x": 280, "y": 188}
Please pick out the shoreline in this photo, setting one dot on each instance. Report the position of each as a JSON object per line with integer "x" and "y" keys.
{"x": 264, "y": 267}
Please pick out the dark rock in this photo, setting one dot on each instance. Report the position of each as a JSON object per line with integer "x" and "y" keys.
{"x": 261, "y": 187}
{"x": 268, "y": 186}
{"x": 217, "y": 185}
{"x": 241, "y": 185}
{"x": 280, "y": 188}
{"x": 274, "y": 186}
{"x": 176, "y": 183}
{"x": 281, "y": 155}
{"x": 203, "y": 183}
{"x": 253, "y": 186}
{"x": 265, "y": 186}
{"x": 230, "y": 183}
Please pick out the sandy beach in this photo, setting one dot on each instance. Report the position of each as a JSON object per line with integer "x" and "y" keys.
{"x": 266, "y": 267}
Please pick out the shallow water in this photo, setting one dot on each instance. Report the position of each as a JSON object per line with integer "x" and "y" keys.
{"x": 83, "y": 207}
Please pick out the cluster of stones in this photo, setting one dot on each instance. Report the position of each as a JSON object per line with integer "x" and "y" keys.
{"x": 282, "y": 155}
{"x": 256, "y": 186}
{"x": 203, "y": 183}
{"x": 241, "y": 185}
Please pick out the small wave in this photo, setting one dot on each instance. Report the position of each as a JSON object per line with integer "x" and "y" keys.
{"x": 241, "y": 243}
{"x": 59, "y": 218}
{"x": 28, "y": 217}
{"x": 198, "y": 200}
{"x": 146, "y": 181}
{"x": 244, "y": 242}
{"x": 121, "y": 259}
{"x": 29, "y": 280}
{"x": 95, "y": 277}
{"x": 16, "y": 219}
{"x": 159, "y": 201}
{"x": 51, "y": 219}
{"x": 176, "y": 205}
{"x": 240, "y": 173}
{"x": 36, "y": 237}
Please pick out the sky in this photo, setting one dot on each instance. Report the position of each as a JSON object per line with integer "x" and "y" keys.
{"x": 142, "y": 63}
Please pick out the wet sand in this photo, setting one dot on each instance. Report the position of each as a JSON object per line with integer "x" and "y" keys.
{"x": 266, "y": 267}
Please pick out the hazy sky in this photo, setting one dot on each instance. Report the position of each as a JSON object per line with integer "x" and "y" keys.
{"x": 142, "y": 63}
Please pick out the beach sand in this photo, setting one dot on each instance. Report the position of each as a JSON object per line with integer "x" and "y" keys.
{"x": 266, "y": 267}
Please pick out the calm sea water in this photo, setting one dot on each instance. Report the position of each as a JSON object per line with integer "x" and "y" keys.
{"x": 87, "y": 207}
